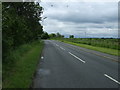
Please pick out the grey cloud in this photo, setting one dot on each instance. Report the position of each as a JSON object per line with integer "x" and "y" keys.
{"x": 85, "y": 13}
{"x": 95, "y": 18}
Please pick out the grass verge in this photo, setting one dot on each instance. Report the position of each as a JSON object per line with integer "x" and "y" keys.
{"x": 101, "y": 49}
{"x": 27, "y": 57}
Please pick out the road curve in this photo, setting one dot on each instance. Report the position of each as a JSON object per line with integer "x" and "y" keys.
{"x": 67, "y": 66}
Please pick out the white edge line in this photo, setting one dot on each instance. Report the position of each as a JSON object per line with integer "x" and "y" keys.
{"x": 76, "y": 57}
{"x": 112, "y": 79}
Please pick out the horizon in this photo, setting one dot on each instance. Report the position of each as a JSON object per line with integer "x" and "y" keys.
{"x": 86, "y": 19}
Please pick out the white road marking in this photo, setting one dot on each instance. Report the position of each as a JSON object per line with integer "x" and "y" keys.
{"x": 76, "y": 57}
{"x": 42, "y": 57}
{"x": 62, "y": 48}
{"x": 112, "y": 79}
{"x": 57, "y": 45}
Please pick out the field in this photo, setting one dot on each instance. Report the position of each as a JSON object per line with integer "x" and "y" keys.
{"x": 106, "y": 45}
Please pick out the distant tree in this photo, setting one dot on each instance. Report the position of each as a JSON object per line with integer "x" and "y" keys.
{"x": 71, "y": 36}
{"x": 62, "y": 36}
{"x": 58, "y": 34}
{"x": 45, "y": 35}
{"x": 52, "y": 35}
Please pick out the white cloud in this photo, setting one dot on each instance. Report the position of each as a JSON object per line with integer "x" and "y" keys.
{"x": 97, "y": 19}
{"x": 80, "y": 0}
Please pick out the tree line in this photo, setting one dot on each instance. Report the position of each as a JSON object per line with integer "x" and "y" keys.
{"x": 20, "y": 25}
{"x": 45, "y": 35}
{"x": 58, "y": 35}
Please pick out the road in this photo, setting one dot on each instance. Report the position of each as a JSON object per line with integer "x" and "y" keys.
{"x": 67, "y": 66}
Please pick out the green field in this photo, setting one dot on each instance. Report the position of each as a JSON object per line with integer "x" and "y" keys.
{"x": 106, "y": 45}
{"x": 20, "y": 73}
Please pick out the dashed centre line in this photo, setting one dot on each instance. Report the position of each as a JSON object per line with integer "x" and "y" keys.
{"x": 62, "y": 48}
{"x": 111, "y": 78}
{"x": 76, "y": 57}
{"x": 57, "y": 45}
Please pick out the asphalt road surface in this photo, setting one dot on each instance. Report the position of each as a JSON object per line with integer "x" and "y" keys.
{"x": 67, "y": 66}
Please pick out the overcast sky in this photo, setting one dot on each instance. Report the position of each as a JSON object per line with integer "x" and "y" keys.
{"x": 81, "y": 19}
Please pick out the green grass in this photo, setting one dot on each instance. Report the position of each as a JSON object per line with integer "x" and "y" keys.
{"x": 101, "y": 49}
{"x": 112, "y": 43}
{"x": 27, "y": 58}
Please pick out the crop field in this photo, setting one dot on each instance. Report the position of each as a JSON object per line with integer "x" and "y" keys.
{"x": 99, "y": 42}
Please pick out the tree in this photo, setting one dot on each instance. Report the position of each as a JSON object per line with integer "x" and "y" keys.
{"x": 52, "y": 35}
{"x": 45, "y": 35}
{"x": 71, "y": 36}
{"x": 58, "y": 34}
{"x": 62, "y": 36}
{"x": 20, "y": 24}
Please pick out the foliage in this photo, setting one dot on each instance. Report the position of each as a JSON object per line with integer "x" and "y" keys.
{"x": 71, "y": 36}
{"x": 45, "y": 35}
{"x": 52, "y": 35}
{"x": 20, "y": 25}
{"x": 57, "y": 35}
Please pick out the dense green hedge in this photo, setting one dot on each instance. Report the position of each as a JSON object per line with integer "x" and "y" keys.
{"x": 20, "y": 25}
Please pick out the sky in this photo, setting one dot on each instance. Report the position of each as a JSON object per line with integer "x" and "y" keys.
{"x": 82, "y": 19}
